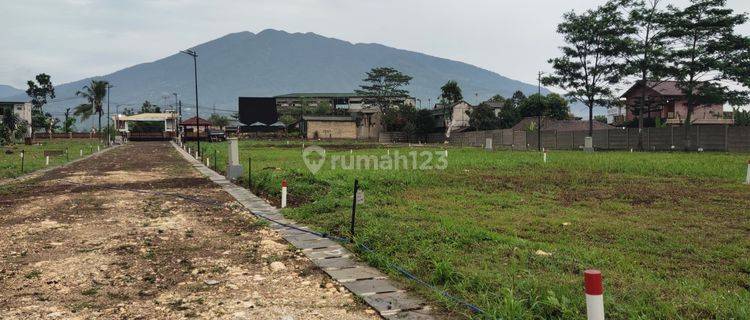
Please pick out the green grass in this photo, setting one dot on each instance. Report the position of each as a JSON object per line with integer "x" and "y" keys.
{"x": 669, "y": 231}
{"x": 10, "y": 164}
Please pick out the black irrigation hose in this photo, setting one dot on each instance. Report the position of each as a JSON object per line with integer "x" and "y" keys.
{"x": 396, "y": 267}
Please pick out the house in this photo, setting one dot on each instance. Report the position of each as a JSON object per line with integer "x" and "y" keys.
{"x": 195, "y": 127}
{"x": 532, "y": 123}
{"x": 21, "y": 109}
{"x": 671, "y": 105}
{"x": 451, "y": 117}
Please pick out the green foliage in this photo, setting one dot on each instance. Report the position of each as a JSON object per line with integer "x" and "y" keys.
{"x": 477, "y": 238}
{"x": 590, "y": 64}
{"x": 703, "y": 41}
{"x": 408, "y": 119}
{"x": 552, "y": 105}
{"x": 218, "y": 120}
{"x": 741, "y": 117}
{"x": 601, "y": 118}
{"x": 69, "y": 122}
{"x": 323, "y": 108}
{"x": 382, "y": 85}
{"x": 94, "y": 93}
{"x": 451, "y": 92}
{"x": 39, "y": 92}
{"x": 148, "y": 107}
{"x": 482, "y": 117}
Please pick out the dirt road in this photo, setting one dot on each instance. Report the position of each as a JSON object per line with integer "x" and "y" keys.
{"x": 73, "y": 244}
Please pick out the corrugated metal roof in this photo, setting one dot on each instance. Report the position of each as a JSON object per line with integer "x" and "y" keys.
{"x": 327, "y": 118}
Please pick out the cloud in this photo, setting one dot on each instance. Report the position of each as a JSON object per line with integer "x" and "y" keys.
{"x": 74, "y": 39}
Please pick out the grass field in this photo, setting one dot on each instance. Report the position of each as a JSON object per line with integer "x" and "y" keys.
{"x": 669, "y": 231}
{"x": 10, "y": 163}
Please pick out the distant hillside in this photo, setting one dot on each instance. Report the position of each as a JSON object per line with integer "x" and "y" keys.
{"x": 7, "y": 91}
{"x": 276, "y": 62}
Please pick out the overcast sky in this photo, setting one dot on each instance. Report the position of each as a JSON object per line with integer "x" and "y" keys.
{"x": 74, "y": 39}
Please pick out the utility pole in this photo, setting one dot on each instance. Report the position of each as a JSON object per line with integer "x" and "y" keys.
{"x": 109, "y": 118}
{"x": 539, "y": 105}
{"x": 193, "y": 54}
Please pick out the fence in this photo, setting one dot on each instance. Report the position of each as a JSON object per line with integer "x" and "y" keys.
{"x": 69, "y": 135}
{"x": 708, "y": 137}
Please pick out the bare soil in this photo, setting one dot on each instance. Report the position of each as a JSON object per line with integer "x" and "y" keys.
{"x": 74, "y": 244}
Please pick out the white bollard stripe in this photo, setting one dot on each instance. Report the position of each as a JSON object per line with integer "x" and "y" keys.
{"x": 46, "y": 160}
{"x": 747, "y": 179}
{"x": 595, "y": 307}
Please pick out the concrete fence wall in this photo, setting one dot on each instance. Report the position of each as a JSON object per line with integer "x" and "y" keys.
{"x": 710, "y": 138}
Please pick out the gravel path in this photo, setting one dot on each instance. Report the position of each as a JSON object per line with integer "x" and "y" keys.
{"x": 73, "y": 246}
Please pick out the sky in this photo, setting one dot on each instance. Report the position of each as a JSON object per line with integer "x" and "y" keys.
{"x": 75, "y": 39}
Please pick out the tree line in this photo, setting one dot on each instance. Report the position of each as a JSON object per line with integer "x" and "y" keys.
{"x": 651, "y": 42}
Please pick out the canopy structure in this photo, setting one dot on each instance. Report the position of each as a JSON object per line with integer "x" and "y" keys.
{"x": 279, "y": 124}
{"x": 169, "y": 119}
{"x": 258, "y": 124}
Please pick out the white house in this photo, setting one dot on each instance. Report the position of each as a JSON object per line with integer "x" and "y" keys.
{"x": 21, "y": 109}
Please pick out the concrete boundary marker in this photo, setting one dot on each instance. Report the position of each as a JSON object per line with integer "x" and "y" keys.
{"x": 374, "y": 287}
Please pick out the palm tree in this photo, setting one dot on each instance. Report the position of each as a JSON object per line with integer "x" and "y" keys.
{"x": 94, "y": 93}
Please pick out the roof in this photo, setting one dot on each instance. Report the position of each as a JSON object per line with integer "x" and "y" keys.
{"x": 235, "y": 123}
{"x": 193, "y": 122}
{"x": 665, "y": 88}
{"x": 328, "y": 118}
{"x": 560, "y": 125}
{"x": 14, "y": 102}
{"x": 494, "y": 104}
{"x": 146, "y": 117}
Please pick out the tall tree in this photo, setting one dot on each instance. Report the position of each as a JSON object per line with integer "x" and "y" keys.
{"x": 69, "y": 121}
{"x": 646, "y": 55}
{"x": 40, "y": 91}
{"x": 94, "y": 93}
{"x": 451, "y": 92}
{"x": 591, "y": 62}
{"x": 552, "y": 105}
{"x": 383, "y": 85}
{"x": 482, "y": 117}
{"x": 704, "y": 44}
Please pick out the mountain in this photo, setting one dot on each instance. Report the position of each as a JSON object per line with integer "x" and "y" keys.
{"x": 8, "y": 91}
{"x": 275, "y": 62}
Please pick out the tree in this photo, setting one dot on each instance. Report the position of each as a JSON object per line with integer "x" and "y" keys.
{"x": 423, "y": 121}
{"x": 704, "y": 43}
{"x": 218, "y": 120}
{"x": 39, "y": 92}
{"x": 600, "y": 118}
{"x": 451, "y": 92}
{"x": 552, "y": 105}
{"x": 148, "y": 107}
{"x": 646, "y": 54}
{"x": 94, "y": 94}
{"x": 69, "y": 122}
{"x": 9, "y": 125}
{"x": 323, "y": 108}
{"x": 382, "y": 86}
{"x": 741, "y": 117}
{"x": 590, "y": 62}
{"x": 482, "y": 117}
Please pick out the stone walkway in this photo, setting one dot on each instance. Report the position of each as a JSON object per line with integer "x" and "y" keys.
{"x": 371, "y": 285}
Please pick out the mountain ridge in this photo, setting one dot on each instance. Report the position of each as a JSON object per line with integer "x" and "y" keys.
{"x": 274, "y": 62}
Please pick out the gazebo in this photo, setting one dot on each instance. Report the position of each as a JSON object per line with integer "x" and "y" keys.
{"x": 195, "y": 128}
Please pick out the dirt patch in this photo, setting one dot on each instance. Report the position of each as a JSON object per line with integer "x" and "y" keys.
{"x": 79, "y": 243}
